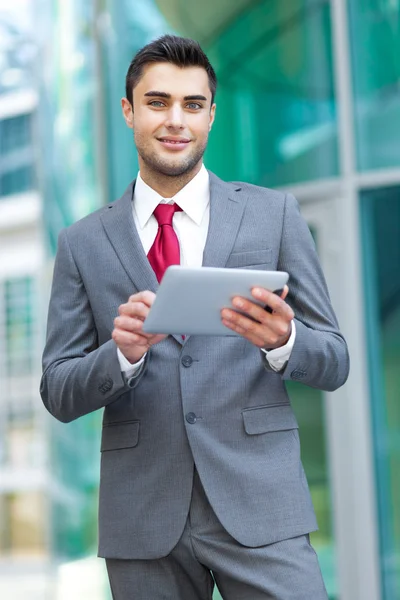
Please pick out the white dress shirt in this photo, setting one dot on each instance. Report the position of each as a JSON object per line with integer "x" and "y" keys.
{"x": 191, "y": 227}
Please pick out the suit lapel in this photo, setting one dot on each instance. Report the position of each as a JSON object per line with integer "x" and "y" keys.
{"x": 121, "y": 231}
{"x": 226, "y": 212}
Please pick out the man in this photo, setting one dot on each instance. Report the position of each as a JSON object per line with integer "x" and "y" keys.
{"x": 201, "y": 479}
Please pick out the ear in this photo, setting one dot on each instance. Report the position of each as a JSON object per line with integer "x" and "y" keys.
{"x": 212, "y": 116}
{"x": 127, "y": 112}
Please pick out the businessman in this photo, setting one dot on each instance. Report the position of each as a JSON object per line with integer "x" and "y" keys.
{"x": 201, "y": 478}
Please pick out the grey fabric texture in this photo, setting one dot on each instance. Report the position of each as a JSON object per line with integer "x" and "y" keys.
{"x": 223, "y": 410}
{"x": 206, "y": 553}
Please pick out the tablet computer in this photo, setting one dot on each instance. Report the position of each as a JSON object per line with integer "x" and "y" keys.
{"x": 189, "y": 300}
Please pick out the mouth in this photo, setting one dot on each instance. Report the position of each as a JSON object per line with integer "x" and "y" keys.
{"x": 174, "y": 143}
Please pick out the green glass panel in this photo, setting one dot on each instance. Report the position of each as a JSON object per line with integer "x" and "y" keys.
{"x": 67, "y": 115}
{"x": 380, "y": 212}
{"x": 279, "y": 92}
{"x": 375, "y": 44}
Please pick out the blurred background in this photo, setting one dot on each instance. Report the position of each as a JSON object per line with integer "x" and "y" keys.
{"x": 308, "y": 101}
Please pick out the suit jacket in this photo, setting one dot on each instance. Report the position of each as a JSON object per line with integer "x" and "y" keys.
{"x": 209, "y": 402}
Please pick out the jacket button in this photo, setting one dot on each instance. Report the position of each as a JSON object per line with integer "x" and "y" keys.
{"x": 106, "y": 385}
{"x": 191, "y": 418}
{"x": 298, "y": 374}
{"x": 187, "y": 361}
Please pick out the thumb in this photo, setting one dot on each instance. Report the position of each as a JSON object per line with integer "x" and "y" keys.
{"x": 285, "y": 292}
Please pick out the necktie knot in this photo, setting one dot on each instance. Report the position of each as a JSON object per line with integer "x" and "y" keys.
{"x": 164, "y": 213}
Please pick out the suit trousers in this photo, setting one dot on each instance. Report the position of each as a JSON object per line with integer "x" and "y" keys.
{"x": 206, "y": 555}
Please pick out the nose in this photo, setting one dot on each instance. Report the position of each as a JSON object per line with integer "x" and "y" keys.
{"x": 175, "y": 117}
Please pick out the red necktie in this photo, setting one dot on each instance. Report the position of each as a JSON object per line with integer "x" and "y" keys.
{"x": 165, "y": 250}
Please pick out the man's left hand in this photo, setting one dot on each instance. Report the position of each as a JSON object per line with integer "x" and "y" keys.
{"x": 263, "y": 329}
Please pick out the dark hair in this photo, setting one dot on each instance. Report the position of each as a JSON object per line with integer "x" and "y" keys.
{"x": 179, "y": 51}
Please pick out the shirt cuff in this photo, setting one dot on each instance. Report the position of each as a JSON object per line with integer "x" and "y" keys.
{"x": 127, "y": 368}
{"x": 278, "y": 357}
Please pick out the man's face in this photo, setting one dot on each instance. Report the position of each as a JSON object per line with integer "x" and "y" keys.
{"x": 171, "y": 118}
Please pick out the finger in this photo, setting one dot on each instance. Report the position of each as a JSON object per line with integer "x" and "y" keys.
{"x": 277, "y": 304}
{"x": 126, "y": 323}
{"x": 270, "y": 331}
{"x": 276, "y": 321}
{"x": 137, "y": 309}
{"x": 242, "y": 323}
{"x": 127, "y": 339}
{"x": 285, "y": 292}
{"x": 154, "y": 338}
{"x": 255, "y": 311}
{"x": 248, "y": 332}
{"x": 146, "y": 297}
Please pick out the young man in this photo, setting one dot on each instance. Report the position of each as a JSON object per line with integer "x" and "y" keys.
{"x": 201, "y": 478}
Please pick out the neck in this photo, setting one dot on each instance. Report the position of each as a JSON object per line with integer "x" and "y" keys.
{"x": 165, "y": 185}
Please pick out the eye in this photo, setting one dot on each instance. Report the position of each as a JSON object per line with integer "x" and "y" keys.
{"x": 156, "y": 103}
{"x": 193, "y": 106}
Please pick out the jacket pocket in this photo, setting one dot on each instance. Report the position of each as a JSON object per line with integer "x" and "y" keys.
{"x": 116, "y": 436}
{"x": 249, "y": 259}
{"x": 264, "y": 419}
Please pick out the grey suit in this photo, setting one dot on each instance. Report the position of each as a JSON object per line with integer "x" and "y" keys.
{"x": 210, "y": 402}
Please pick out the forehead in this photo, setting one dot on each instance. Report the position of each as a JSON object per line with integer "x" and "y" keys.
{"x": 174, "y": 80}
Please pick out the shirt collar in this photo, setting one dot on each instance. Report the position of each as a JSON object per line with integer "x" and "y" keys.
{"x": 193, "y": 199}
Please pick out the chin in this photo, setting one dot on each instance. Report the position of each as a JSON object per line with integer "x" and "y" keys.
{"x": 171, "y": 166}
{"x": 174, "y": 169}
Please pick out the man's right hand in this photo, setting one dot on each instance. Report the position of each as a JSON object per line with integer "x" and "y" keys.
{"x": 128, "y": 331}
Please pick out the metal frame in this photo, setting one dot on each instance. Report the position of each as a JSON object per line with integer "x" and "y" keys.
{"x": 352, "y": 454}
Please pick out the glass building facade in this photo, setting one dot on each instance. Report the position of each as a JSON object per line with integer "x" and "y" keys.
{"x": 308, "y": 101}
{"x": 380, "y": 213}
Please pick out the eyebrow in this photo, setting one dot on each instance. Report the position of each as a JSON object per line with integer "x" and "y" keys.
{"x": 156, "y": 94}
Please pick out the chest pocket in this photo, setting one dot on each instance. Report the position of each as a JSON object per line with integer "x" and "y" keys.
{"x": 250, "y": 259}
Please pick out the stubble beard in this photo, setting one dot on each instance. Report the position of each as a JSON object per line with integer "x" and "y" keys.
{"x": 160, "y": 166}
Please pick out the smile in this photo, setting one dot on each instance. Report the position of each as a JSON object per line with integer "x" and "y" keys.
{"x": 174, "y": 141}
{"x": 175, "y": 144}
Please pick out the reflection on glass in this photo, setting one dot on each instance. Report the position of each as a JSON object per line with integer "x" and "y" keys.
{"x": 375, "y": 44}
{"x": 68, "y": 115}
{"x": 380, "y": 211}
{"x": 276, "y": 120}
